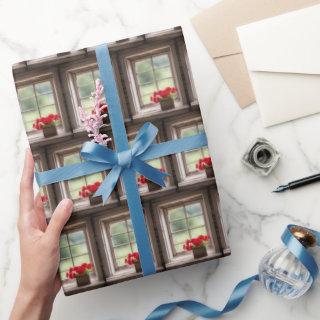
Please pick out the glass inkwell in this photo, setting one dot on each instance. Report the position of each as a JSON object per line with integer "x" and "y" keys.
{"x": 261, "y": 157}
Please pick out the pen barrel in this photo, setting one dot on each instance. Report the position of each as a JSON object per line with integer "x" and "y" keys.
{"x": 304, "y": 181}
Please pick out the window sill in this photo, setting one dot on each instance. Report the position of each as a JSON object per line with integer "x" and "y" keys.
{"x": 188, "y": 259}
{"x": 201, "y": 180}
{"x": 39, "y": 140}
{"x": 72, "y": 288}
{"x": 152, "y": 194}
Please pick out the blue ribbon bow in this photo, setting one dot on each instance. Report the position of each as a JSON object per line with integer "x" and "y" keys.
{"x": 241, "y": 289}
{"x": 125, "y": 161}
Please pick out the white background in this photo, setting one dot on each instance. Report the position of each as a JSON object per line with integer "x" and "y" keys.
{"x": 255, "y": 217}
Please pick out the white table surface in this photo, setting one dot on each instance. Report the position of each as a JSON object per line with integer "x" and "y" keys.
{"x": 255, "y": 217}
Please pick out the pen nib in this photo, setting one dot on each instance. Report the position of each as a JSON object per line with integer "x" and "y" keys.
{"x": 281, "y": 189}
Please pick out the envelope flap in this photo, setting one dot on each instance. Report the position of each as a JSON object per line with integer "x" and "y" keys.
{"x": 217, "y": 25}
{"x": 287, "y": 43}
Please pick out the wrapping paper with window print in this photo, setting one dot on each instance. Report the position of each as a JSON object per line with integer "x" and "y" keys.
{"x": 125, "y": 162}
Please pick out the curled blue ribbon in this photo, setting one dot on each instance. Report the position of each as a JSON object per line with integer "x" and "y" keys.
{"x": 241, "y": 289}
{"x": 125, "y": 161}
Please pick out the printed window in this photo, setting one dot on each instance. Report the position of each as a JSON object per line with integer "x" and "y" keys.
{"x": 43, "y": 190}
{"x": 36, "y": 100}
{"x": 121, "y": 240}
{"x": 74, "y": 186}
{"x": 184, "y": 222}
{"x": 191, "y": 158}
{"x": 84, "y": 82}
{"x": 74, "y": 250}
{"x": 152, "y": 73}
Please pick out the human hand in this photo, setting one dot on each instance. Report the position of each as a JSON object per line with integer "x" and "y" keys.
{"x": 39, "y": 250}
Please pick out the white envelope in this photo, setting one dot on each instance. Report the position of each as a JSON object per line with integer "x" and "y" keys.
{"x": 283, "y": 58}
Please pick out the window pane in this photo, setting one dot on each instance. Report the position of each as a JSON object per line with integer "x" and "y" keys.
{"x": 145, "y": 77}
{"x": 96, "y": 74}
{"x": 198, "y": 231}
{"x": 122, "y": 252}
{"x": 63, "y": 241}
{"x": 156, "y": 163}
{"x": 87, "y": 103}
{"x": 118, "y": 227}
{"x": 81, "y": 259}
{"x": 43, "y": 87}
{"x": 30, "y": 116}
{"x": 79, "y": 249}
{"x": 85, "y": 91}
{"x": 145, "y": 100}
{"x": 71, "y": 158}
{"x": 148, "y": 89}
{"x": 45, "y": 100}
{"x": 178, "y": 225}
{"x": 176, "y": 214}
{"x": 143, "y": 65}
{"x": 84, "y": 79}
{"x": 120, "y": 239}
{"x": 76, "y": 237}
{"x": 194, "y": 209}
{"x": 180, "y": 237}
{"x": 45, "y": 111}
{"x": 129, "y": 224}
{"x": 162, "y": 84}
{"x": 65, "y": 253}
{"x": 161, "y": 61}
{"x": 163, "y": 73}
{"x": 28, "y": 104}
{"x": 192, "y": 158}
{"x": 25, "y": 92}
{"x": 179, "y": 247}
{"x": 195, "y": 222}
{"x": 92, "y": 178}
{"x": 189, "y": 131}
{"x": 65, "y": 265}
{"x": 132, "y": 238}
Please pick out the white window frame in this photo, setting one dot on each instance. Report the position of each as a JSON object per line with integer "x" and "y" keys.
{"x": 71, "y": 76}
{"x": 58, "y": 155}
{"x": 181, "y": 166}
{"x": 71, "y": 283}
{"x": 38, "y": 134}
{"x": 186, "y": 256}
{"x": 129, "y": 61}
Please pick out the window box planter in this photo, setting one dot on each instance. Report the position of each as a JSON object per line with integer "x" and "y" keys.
{"x": 209, "y": 172}
{"x": 199, "y": 252}
{"x": 167, "y": 103}
{"x": 49, "y": 131}
{"x": 95, "y": 200}
{"x": 137, "y": 266}
{"x": 153, "y": 186}
{"x": 83, "y": 280}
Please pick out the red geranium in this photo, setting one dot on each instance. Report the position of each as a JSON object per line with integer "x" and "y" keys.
{"x": 44, "y": 198}
{"x": 80, "y": 270}
{"x": 132, "y": 258}
{"x": 204, "y": 163}
{"x": 162, "y": 94}
{"x": 42, "y": 122}
{"x": 90, "y": 189}
{"x": 142, "y": 180}
{"x": 200, "y": 241}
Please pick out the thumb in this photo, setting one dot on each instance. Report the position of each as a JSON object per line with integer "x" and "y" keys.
{"x": 59, "y": 218}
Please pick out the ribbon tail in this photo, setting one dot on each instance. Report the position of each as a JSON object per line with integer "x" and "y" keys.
{"x": 201, "y": 310}
{"x": 108, "y": 184}
{"x": 151, "y": 173}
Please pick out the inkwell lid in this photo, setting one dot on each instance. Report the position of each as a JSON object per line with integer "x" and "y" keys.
{"x": 304, "y": 236}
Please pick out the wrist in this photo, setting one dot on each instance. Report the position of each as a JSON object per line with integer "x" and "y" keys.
{"x": 32, "y": 304}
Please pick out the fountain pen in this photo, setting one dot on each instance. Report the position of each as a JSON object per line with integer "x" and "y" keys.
{"x": 298, "y": 183}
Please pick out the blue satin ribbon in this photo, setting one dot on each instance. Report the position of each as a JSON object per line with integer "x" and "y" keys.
{"x": 241, "y": 289}
{"x": 125, "y": 161}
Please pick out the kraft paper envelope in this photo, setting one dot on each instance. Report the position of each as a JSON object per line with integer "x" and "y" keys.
{"x": 216, "y": 27}
{"x": 283, "y": 59}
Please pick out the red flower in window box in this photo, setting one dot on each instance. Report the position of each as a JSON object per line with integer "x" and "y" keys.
{"x": 80, "y": 273}
{"x": 142, "y": 180}
{"x": 134, "y": 259}
{"x": 198, "y": 246}
{"x": 89, "y": 190}
{"x": 44, "y": 198}
{"x": 205, "y": 164}
{"x": 164, "y": 97}
{"x": 50, "y": 120}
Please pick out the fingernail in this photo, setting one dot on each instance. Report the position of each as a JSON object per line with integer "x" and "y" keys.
{"x": 66, "y": 203}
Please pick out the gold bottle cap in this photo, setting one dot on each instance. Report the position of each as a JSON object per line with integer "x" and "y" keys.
{"x": 305, "y": 236}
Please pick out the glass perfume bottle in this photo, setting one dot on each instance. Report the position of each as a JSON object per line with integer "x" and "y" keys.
{"x": 282, "y": 273}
